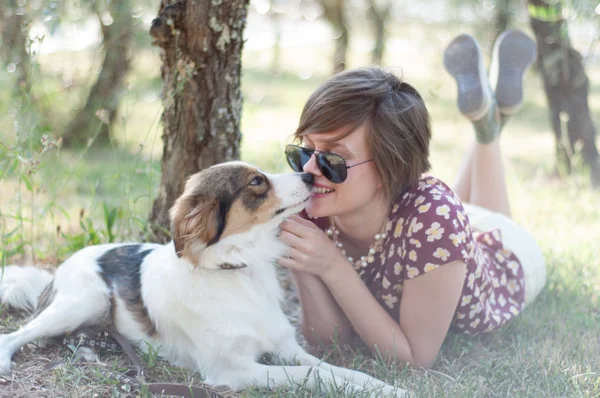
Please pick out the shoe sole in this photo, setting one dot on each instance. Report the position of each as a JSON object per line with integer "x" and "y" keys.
{"x": 462, "y": 59}
{"x": 513, "y": 53}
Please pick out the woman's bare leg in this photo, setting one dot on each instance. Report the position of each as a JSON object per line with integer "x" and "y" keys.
{"x": 481, "y": 179}
{"x": 488, "y": 181}
{"x": 462, "y": 184}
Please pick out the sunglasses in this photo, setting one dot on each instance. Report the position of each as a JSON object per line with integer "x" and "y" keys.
{"x": 332, "y": 166}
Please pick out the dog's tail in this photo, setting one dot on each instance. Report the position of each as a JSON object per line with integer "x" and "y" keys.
{"x": 20, "y": 287}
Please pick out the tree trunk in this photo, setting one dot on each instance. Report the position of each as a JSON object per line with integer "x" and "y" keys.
{"x": 93, "y": 121}
{"x": 14, "y": 28}
{"x": 201, "y": 43}
{"x": 275, "y": 17}
{"x": 380, "y": 15}
{"x": 335, "y": 14}
{"x": 566, "y": 85}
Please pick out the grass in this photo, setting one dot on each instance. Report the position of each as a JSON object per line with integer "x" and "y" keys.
{"x": 551, "y": 350}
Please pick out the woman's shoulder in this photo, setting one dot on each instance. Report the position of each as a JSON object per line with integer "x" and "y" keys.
{"x": 428, "y": 228}
{"x": 427, "y": 192}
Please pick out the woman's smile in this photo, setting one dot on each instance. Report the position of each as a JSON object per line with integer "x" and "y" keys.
{"x": 321, "y": 191}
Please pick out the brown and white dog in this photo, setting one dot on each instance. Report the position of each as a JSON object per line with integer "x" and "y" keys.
{"x": 208, "y": 301}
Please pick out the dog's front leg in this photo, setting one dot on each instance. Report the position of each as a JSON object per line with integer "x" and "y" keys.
{"x": 313, "y": 378}
{"x": 363, "y": 379}
{"x": 294, "y": 353}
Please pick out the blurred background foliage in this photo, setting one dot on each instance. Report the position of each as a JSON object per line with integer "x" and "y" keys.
{"x": 80, "y": 94}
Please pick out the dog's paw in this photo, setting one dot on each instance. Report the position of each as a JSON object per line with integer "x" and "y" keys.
{"x": 390, "y": 392}
{"x": 355, "y": 390}
{"x": 5, "y": 363}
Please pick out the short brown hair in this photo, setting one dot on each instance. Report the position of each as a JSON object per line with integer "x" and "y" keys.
{"x": 395, "y": 114}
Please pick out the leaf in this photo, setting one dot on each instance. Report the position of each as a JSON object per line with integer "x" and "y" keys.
{"x": 11, "y": 233}
{"x": 64, "y": 212}
{"x": 110, "y": 216}
{"x": 28, "y": 182}
{"x": 10, "y": 167}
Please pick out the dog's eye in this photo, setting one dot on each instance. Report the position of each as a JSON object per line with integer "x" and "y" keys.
{"x": 256, "y": 181}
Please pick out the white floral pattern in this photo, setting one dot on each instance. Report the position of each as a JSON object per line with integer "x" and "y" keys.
{"x": 427, "y": 228}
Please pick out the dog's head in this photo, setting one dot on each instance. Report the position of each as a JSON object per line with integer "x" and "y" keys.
{"x": 231, "y": 199}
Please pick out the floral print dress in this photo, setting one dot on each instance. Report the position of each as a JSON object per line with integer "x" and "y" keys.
{"x": 427, "y": 227}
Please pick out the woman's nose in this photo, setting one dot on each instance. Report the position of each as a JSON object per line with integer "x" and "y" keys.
{"x": 311, "y": 166}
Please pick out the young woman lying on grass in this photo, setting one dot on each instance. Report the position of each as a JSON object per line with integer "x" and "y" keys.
{"x": 390, "y": 254}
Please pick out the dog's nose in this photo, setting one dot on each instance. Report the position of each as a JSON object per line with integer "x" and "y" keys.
{"x": 308, "y": 178}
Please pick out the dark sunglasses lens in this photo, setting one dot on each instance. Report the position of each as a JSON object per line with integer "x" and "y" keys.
{"x": 333, "y": 167}
{"x": 297, "y": 157}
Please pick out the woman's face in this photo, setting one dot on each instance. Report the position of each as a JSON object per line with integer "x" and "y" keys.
{"x": 361, "y": 187}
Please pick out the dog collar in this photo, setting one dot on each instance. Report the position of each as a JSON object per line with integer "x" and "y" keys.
{"x": 232, "y": 266}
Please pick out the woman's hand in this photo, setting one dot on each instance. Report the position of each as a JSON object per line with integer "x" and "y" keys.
{"x": 310, "y": 250}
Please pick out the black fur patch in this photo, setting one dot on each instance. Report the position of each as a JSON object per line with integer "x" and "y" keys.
{"x": 224, "y": 206}
{"x": 121, "y": 272}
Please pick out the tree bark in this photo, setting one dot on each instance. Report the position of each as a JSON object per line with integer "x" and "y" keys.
{"x": 93, "y": 121}
{"x": 566, "y": 86}
{"x": 201, "y": 43}
{"x": 334, "y": 11}
{"x": 380, "y": 15}
{"x": 14, "y": 28}
{"x": 275, "y": 17}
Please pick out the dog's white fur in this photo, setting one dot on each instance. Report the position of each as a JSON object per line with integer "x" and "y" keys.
{"x": 218, "y": 322}
{"x": 22, "y": 285}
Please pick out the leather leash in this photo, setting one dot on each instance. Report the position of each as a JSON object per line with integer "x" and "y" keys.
{"x": 138, "y": 379}
{"x": 183, "y": 390}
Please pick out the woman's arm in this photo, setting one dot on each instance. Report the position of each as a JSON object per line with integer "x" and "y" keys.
{"x": 323, "y": 321}
{"x": 426, "y": 310}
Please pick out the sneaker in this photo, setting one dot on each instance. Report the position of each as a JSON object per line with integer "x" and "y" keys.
{"x": 463, "y": 60}
{"x": 513, "y": 53}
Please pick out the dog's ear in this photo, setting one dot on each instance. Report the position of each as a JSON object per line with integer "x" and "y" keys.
{"x": 196, "y": 218}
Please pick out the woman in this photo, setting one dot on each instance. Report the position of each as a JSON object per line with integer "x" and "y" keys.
{"x": 387, "y": 253}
